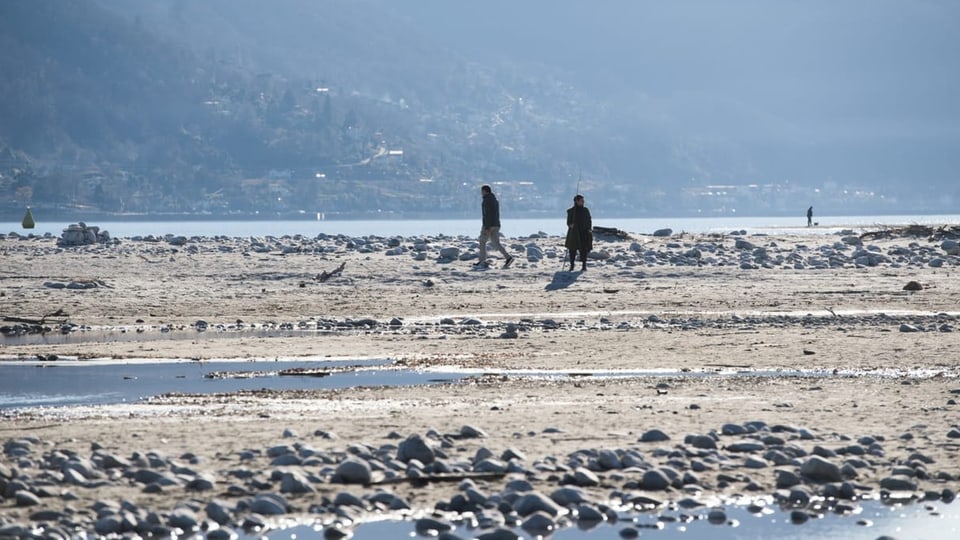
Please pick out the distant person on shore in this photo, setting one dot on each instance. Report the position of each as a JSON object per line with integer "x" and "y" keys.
{"x": 810, "y": 217}
{"x": 490, "y": 230}
{"x": 579, "y": 232}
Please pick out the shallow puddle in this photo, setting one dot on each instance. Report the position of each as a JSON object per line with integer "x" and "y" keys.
{"x": 35, "y": 384}
{"x": 931, "y": 521}
{"x": 105, "y": 382}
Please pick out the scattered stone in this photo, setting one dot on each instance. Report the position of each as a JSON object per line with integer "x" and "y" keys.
{"x": 655, "y": 480}
{"x": 704, "y": 442}
{"x": 353, "y": 471}
{"x": 26, "y": 498}
{"x": 535, "y": 502}
{"x": 471, "y": 432}
{"x": 717, "y": 516}
{"x": 415, "y": 447}
{"x": 450, "y": 253}
{"x": 819, "y": 469}
{"x": 898, "y": 483}
{"x": 654, "y": 435}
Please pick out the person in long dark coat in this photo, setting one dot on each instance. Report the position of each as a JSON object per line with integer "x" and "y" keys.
{"x": 579, "y": 232}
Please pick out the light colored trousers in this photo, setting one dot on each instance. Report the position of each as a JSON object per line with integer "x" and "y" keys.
{"x": 491, "y": 235}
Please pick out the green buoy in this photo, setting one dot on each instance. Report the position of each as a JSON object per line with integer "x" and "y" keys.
{"x": 28, "y": 222}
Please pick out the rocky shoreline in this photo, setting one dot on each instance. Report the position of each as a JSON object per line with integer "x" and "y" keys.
{"x": 244, "y": 492}
{"x": 505, "y": 454}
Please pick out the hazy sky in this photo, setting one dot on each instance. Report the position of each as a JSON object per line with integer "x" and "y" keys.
{"x": 824, "y": 68}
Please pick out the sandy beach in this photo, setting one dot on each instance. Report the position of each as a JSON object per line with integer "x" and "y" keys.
{"x": 756, "y": 358}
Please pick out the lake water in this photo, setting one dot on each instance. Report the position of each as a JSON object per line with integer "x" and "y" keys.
{"x": 511, "y": 228}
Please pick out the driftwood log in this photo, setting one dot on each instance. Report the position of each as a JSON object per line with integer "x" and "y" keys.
{"x": 441, "y": 477}
{"x": 323, "y": 276}
{"x": 610, "y": 231}
{"x": 937, "y": 233}
{"x": 42, "y": 320}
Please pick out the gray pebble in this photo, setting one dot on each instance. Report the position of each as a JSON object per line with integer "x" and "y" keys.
{"x": 654, "y": 435}
{"x": 415, "y": 447}
{"x": 717, "y": 516}
{"x": 218, "y": 512}
{"x": 585, "y": 478}
{"x": 746, "y": 446}
{"x": 268, "y": 504}
{"x": 568, "y": 496}
{"x": 499, "y": 534}
{"x": 898, "y": 483}
{"x": 222, "y": 533}
{"x": 589, "y": 514}
{"x": 348, "y": 499}
{"x": 294, "y": 482}
{"x": 704, "y": 442}
{"x": 535, "y": 502}
{"x": 183, "y": 518}
{"x": 431, "y": 527}
{"x": 820, "y": 470}
{"x": 539, "y": 524}
{"x": 353, "y": 471}
{"x": 26, "y": 498}
{"x": 655, "y": 480}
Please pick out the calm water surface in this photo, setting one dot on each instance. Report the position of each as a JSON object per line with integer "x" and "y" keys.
{"x": 36, "y": 384}
{"x": 25, "y": 383}
{"x": 470, "y": 227}
{"x": 917, "y": 521}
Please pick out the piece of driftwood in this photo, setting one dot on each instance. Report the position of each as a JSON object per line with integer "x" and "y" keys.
{"x": 41, "y": 320}
{"x": 448, "y": 477}
{"x": 934, "y": 233}
{"x": 323, "y": 276}
{"x": 610, "y": 231}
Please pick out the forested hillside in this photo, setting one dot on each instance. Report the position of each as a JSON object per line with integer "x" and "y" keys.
{"x": 102, "y": 111}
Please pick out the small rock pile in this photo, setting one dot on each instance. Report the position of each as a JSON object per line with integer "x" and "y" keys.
{"x": 79, "y": 234}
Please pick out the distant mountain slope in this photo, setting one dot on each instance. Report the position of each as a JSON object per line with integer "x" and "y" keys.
{"x": 151, "y": 117}
{"x": 85, "y": 77}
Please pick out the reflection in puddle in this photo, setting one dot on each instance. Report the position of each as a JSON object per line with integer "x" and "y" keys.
{"x": 73, "y": 382}
{"x": 872, "y": 520}
{"x": 32, "y": 384}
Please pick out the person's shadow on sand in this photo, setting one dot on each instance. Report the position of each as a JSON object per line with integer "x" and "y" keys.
{"x": 562, "y": 280}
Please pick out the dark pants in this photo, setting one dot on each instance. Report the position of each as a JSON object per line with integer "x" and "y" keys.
{"x": 583, "y": 257}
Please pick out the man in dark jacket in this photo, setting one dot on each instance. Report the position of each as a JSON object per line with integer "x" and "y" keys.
{"x": 490, "y": 230}
{"x": 579, "y": 232}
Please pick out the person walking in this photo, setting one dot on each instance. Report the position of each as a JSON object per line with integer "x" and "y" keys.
{"x": 579, "y": 232}
{"x": 490, "y": 229}
{"x": 810, "y": 217}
